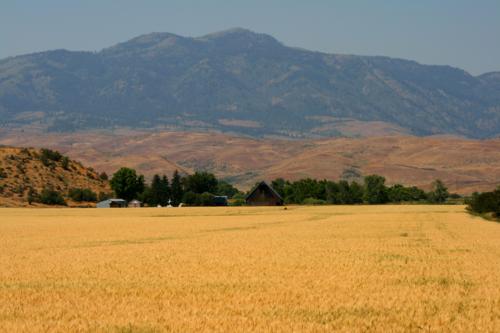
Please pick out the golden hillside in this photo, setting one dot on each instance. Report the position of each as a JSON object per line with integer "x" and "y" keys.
{"x": 464, "y": 165}
{"x": 25, "y": 171}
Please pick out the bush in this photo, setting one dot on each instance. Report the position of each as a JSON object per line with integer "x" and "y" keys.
{"x": 82, "y": 194}
{"x": 238, "y": 202}
{"x": 313, "y": 201}
{"x": 196, "y": 199}
{"x": 51, "y": 197}
{"x": 3, "y": 174}
{"x": 52, "y": 155}
{"x": 487, "y": 202}
{"x": 65, "y": 163}
{"x": 105, "y": 196}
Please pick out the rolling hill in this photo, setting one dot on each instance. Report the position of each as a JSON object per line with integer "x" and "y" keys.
{"x": 241, "y": 82}
{"x": 24, "y": 170}
{"x": 464, "y": 165}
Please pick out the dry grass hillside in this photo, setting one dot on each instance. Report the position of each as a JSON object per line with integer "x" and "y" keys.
{"x": 24, "y": 171}
{"x": 464, "y": 165}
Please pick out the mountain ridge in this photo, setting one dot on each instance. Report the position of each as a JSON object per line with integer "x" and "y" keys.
{"x": 222, "y": 80}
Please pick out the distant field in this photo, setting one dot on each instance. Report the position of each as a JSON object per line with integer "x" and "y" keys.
{"x": 337, "y": 268}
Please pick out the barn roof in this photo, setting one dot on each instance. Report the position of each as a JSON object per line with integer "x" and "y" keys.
{"x": 263, "y": 183}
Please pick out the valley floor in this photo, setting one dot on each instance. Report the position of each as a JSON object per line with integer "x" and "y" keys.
{"x": 331, "y": 268}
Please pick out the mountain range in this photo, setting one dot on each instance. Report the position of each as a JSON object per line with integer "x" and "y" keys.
{"x": 242, "y": 82}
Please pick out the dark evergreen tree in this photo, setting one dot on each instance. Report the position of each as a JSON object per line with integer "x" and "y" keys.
{"x": 164, "y": 191}
{"x": 177, "y": 191}
{"x": 375, "y": 191}
{"x": 356, "y": 191}
{"x": 439, "y": 192}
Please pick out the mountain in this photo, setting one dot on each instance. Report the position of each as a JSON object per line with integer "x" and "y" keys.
{"x": 242, "y": 82}
{"x": 464, "y": 165}
{"x": 28, "y": 170}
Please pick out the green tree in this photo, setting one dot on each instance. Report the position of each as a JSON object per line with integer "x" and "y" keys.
{"x": 65, "y": 162}
{"x": 176, "y": 189}
{"x": 126, "y": 184}
{"x": 279, "y": 185}
{"x": 154, "y": 192}
{"x": 224, "y": 188}
{"x": 82, "y": 194}
{"x": 375, "y": 191}
{"x": 201, "y": 182}
{"x": 51, "y": 197}
{"x": 164, "y": 191}
{"x": 487, "y": 202}
{"x": 439, "y": 192}
{"x": 333, "y": 193}
{"x": 356, "y": 191}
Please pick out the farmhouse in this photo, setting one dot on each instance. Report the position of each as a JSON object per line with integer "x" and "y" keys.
{"x": 112, "y": 203}
{"x": 264, "y": 195}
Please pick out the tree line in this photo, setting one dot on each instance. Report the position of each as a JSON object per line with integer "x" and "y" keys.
{"x": 373, "y": 190}
{"x": 486, "y": 204}
{"x": 198, "y": 189}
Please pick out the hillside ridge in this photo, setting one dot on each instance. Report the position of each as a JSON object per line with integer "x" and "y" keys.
{"x": 26, "y": 172}
{"x": 241, "y": 82}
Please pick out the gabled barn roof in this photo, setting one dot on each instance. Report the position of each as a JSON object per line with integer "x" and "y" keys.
{"x": 265, "y": 184}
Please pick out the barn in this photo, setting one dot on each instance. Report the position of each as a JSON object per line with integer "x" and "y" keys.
{"x": 112, "y": 203}
{"x": 264, "y": 195}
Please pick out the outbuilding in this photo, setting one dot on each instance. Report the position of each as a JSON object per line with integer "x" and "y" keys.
{"x": 112, "y": 203}
{"x": 134, "y": 204}
{"x": 220, "y": 200}
{"x": 264, "y": 195}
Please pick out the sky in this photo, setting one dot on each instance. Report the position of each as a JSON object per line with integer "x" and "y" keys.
{"x": 460, "y": 33}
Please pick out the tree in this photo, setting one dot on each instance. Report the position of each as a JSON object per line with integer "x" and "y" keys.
{"x": 487, "y": 202}
{"x": 127, "y": 184}
{"x": 32, "y": 196}
{"x": 201, "y": 182}
{"x": 176, "y": 191}
{"x": 65, "y": 162}
{"x": 439, "y": 192}
{"x": 82, "y": 194}
{"x": 279, "y": 186}
{"x": 375, "y": 191}
{"x": 164, "y": 191}
{"x": 51, "y": 197}
{"x": 356, "y": 191}
{"x": 333, "y": 193}
{"x": 224, "y": 188}
{"x": 153, "y": 197}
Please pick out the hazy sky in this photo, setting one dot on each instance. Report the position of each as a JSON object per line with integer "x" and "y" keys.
{"x": 461, "y": 33}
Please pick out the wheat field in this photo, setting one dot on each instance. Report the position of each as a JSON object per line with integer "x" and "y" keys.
{"x": 304, "y": 269}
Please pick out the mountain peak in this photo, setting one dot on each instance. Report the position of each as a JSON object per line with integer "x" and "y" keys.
{"x": 240, "y": 37}
{"x": 229, "y": 32}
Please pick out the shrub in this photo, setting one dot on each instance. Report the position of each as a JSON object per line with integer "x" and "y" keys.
{"x": 487, "y": 202}
{"x": 65, "y": 163}
{"x": 33, "y": 196}
{"x": 51, "y": 197}
{"x": 105, "y": 196}
{"x": 3, "y": 174}
{"x": 238, "y": 202}
{"x": 52, "y": 155}
{"x": 313, "y": 201}
{"x": 82, "y": 194}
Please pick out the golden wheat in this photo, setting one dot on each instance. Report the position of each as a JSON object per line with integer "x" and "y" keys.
{"x": 308, "y": 269}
